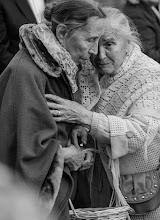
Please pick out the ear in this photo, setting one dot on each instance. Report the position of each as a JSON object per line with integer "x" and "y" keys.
{"x": 61, "y": 32}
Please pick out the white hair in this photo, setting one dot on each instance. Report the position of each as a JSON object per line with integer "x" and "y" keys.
{"x": 122, "y": 25}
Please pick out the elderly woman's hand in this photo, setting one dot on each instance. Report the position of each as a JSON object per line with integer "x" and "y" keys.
{"x": 73, "y": 157}
{"x": 68, "y": 111}
{"x": 88, "y": 160}
{"x": 79, "y": 139}
{"x": 79, "y": 136}
{"x": 77, "y": 158}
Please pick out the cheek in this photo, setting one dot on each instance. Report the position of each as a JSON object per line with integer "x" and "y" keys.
{"x": 70, "y": 46}
{"x": 119, "y": 58}
{"x": 82, "y": 46}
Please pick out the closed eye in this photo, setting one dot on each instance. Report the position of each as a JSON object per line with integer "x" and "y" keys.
{"x": 93, "y": 39}
{"x": 107, "y": 44}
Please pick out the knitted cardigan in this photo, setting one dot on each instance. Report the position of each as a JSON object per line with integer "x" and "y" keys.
{"x": 126, "y": 112}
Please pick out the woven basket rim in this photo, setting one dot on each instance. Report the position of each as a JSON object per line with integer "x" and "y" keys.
{"x": 100, "y": 212}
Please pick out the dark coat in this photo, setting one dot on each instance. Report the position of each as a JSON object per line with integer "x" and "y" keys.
{"x": 13, "y": 14}
{"x": 148, "y": 26}
{"x": 29, "y": 136}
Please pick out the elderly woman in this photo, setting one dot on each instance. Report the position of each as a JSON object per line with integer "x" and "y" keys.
{"x": 31, "y": 142}
{"x": 121, "y": 111}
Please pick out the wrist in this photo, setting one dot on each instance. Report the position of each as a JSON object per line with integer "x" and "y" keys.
{"x": 65, "y": 153}
{"x": 87, "y": 120}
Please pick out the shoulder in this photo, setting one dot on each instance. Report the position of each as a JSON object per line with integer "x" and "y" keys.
{"x": 23, "y": 68}
{"x": 147, "y": 65}
{"x": 142, "y": 65}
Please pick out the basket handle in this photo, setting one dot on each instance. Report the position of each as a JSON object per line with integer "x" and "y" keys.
{"x": 73, "y": 209}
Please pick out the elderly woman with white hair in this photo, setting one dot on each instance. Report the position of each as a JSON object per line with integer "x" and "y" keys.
{"x": 120, "y": 108}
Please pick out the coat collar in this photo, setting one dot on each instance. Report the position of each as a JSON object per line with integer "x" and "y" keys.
{"x": 26, "y": 10}
{"x": 47, "y": 52}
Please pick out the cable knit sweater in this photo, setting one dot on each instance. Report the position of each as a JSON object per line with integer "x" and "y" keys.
{"x": 127, "y": 114}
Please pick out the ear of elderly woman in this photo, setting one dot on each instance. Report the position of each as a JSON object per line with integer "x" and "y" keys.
{"x": 125, "y": 119}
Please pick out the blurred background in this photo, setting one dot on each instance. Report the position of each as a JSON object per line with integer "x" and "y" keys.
{"x": 115, "y": 3}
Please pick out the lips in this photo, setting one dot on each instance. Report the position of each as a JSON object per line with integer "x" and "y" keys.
{"x": 103, "y": 64}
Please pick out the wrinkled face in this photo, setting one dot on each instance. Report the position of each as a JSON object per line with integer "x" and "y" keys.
{"x": 111, "y": 53}
{"x": 85, "y": 42}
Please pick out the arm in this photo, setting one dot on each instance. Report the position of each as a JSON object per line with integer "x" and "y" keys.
{"x": 36, "y": 129}
{"x": 126, "y": 135}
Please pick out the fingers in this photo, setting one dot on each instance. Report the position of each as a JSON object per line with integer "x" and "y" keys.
{"x": 56, "y": 113}
{"x": 89, "y": 157}
{"x": 53, "y": 105}
{"x": 56, "y": 116}
{"x": 58, "y": 100}
{"x": 54, "y": 98}
{"x": 75, "y": 138}
{"x": 84, "y": 136}
{"x": 55, "y": 110}
{"x": 88, "y": 161}
{"x": 79, "y": 135}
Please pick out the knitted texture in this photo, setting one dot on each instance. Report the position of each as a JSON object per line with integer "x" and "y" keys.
{"x": 131, "y": 102}
{"x": 88, "y": 85}
{"x": 134, "y": 90}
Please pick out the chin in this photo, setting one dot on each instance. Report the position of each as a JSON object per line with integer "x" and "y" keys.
{"x": 108, "y": 72}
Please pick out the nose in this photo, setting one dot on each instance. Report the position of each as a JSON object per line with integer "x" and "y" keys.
{"x": 94, "y": 48}
{"x": 101, "y": 52}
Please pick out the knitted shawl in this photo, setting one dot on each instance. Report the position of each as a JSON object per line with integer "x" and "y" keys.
{"x": 135, "y": 89}
{"x": 138, "y": 75}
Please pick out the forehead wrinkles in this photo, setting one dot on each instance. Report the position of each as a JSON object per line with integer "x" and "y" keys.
{"x": 111, "y": 31}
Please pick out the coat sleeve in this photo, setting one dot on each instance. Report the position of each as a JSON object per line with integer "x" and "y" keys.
{"x": 36, "y": 128}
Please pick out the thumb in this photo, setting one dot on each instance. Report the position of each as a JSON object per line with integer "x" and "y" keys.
{"x": 84, "y": 137}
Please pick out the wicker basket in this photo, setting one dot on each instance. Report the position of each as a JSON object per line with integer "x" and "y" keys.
{"x": 113, "y": 213}
{"x": 110, "y": 213}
